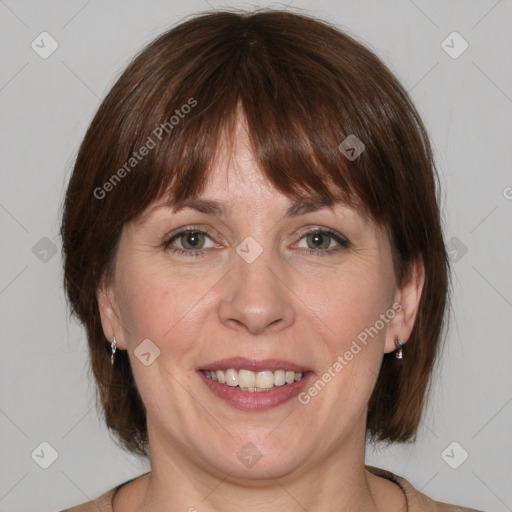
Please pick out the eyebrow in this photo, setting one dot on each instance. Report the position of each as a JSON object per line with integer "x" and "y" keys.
{"x": 298, "y": 207}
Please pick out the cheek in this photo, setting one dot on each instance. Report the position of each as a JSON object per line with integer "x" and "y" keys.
{"x": 144, "y": 307}
{"x": 353, "y": 301}
{"x": 157, "y": 304}
{"x": 147, "y": 300}
{"x": 355, "y": 310}
{"x": 154, "y": 307}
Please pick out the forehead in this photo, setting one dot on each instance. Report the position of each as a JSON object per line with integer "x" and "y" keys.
{"x": 235, "y": 180}
{"x": 219, "y": 208}
{"x": 235, "y": 176}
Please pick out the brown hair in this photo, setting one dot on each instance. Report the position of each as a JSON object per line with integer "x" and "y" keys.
{"x": 303, "y": 87}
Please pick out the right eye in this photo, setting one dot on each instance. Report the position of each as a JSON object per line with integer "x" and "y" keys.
{"x": 192, "y": 242}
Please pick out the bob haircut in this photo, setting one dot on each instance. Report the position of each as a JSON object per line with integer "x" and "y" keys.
{"x": 303, "y": 87}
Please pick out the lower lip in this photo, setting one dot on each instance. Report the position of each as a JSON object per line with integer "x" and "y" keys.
{"x": 256, "y": 400}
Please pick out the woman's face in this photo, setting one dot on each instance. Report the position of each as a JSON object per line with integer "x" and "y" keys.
{"x": 254, "y": 296}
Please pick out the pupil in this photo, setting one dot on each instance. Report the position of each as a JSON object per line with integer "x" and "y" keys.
{"x": 318, "y": 240}
{"x": 193, "y": 239}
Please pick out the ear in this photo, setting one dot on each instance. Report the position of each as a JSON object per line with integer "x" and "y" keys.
{"x": 109, "y": 313}
{"x": 406, "y": 305}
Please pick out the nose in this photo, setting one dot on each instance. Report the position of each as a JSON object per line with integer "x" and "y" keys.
{"x": 258, "y": 298}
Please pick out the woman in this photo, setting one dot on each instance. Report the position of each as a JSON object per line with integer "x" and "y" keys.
{"x": 253, "y": 243}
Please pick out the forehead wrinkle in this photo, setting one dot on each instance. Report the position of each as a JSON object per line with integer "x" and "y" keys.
{"x": 300, "y": 206}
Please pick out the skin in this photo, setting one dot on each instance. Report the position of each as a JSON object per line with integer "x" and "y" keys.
{"x": 286, "y": 304}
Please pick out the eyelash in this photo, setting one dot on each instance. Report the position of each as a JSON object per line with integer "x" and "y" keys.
{"x": 344, "y": 243}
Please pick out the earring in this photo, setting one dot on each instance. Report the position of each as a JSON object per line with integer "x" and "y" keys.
{"x": 113, "y": 346}
{"x": 399, "y": 353}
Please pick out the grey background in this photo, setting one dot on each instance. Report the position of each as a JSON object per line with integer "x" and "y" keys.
{"x": 46, "y": 105}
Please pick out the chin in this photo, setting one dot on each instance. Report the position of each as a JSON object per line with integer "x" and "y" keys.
{"x": 256, "y": 457}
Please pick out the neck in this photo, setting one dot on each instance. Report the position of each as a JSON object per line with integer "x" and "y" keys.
{"x": 178, "y": 481}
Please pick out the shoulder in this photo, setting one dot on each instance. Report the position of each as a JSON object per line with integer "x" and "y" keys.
{"x": 417, "y": 501}
{"x": 104, "y": 502}
{"x": 101, "y": 504}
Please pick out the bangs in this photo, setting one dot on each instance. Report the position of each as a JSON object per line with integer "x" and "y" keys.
{"x": 295, "y": 135}
{"x": 288, "y": 159}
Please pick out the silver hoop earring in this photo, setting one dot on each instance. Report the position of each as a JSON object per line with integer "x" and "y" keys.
{"x": 113, "y": 347}
{"x": 399, "y": 353}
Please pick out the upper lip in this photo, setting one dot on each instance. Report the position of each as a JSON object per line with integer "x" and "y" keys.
{"x": 256, "y": 365}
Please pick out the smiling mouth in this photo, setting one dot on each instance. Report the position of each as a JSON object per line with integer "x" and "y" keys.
{"x": 248, "y": 380}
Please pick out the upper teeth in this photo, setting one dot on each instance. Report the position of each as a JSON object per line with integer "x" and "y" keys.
{"x": 248, "y": 380}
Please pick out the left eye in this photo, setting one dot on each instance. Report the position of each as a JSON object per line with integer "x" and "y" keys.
{"x": 320, "y": 240}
